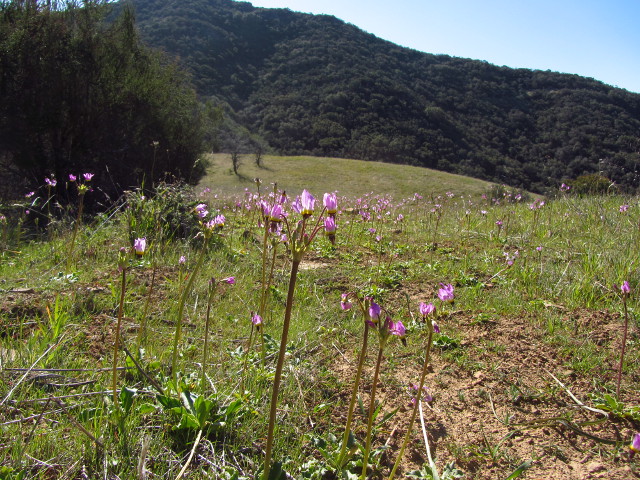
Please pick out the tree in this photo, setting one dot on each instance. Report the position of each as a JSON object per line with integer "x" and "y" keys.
{"x": 82, "y": 94}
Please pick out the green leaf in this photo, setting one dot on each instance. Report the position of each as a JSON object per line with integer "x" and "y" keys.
{"x": 520, "y": 470}
{"x": 276, "y": 472}
{"x": 168, "y": 402}
{"x": 146, "y": 408}
{"x": 88, "y": 414}
{"x": 126, "y": 398}
{"x": 387, "y": 416}
{"x": 187, "y": 421}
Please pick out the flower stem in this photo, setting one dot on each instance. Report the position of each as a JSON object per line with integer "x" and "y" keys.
{"x": 263, "y": 302}
{"x": 352, "y": 403}
{"x": 205, "y": 352}
{"x": 276, "y": 381}
{"x": 116, "y": 343}
{"x": 75, "y": 232}
{"x": 183, "y": 298}
{"x": 142, "y": 333}
{"x": 372, "y": 408}
{"x": 416, "y": 406}
{"x": 246, "y": 358}
{"x": 624, "y": 344}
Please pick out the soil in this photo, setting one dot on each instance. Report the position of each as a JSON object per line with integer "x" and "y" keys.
{"x": 501, "y": 405}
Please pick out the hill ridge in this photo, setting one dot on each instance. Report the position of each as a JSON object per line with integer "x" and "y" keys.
{"x": 315, "y": 85}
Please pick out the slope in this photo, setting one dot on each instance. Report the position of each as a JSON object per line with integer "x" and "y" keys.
{"x": 312, "y": 84}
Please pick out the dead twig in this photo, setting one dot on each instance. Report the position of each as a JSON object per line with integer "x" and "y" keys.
{"x": 97, "y": 441}
{"x": 578, "y": 402}
{"x": 193, "y": 450}
{"x": 29, "y": 370}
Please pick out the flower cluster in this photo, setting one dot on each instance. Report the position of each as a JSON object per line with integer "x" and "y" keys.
{"x": 426, "y": 310}
{"x": 413, "y": 389}
{"x": 510, "y": 258}
{"x": 373, "y": 315}
{"x": 214, "y": 224}
{"x": 445, "y": 293}
{"x": 298, "y": 238}
{"x": 537, "y": 204}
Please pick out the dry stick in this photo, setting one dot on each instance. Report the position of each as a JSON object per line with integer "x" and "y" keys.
{"x": 193, "y": 450}
{"x": 95, "y": 440}
{"x": 107, "y": 369}
{"x": 26, "y": 419}
{"x": 426, "y": 442}
{"x": 154, "y": 383}
{"x": 30, "y": 436}
{"x": 144, "y": 451}
{"x": 74, "y": 395}
{"x": 580, "y": 404}
{"x": 29, "y": 370}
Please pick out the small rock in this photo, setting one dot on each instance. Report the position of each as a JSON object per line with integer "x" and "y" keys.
{"x": 595, "y": 467}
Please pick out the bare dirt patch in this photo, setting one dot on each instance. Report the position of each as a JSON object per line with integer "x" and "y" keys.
{"x": 497, "y": 405}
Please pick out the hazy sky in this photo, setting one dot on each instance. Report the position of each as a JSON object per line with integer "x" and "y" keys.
{"x": 593, "y": 38}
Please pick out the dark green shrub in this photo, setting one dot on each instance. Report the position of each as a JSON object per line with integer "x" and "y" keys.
{"x": 80, "y": 94}
{"x": 592, "y": 184}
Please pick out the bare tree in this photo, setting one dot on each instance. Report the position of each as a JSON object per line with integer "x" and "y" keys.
{"x": 258, "y": 155}
{"x": 235, "y": 160}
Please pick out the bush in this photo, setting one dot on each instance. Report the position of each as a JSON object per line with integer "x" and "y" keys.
{"x": 166, "y": 215}
{"x": 84, "y": 95}
{"x": 592, "y": 184}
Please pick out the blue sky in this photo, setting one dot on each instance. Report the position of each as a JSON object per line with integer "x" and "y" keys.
{"x": 592, "y": 38}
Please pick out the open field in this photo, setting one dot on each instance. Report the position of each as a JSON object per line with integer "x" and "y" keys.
{"x": 347, "y": 177}
{"x": 523, "y": 375}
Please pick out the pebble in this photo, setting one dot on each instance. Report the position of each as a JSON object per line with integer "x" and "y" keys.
{"x": 595, "y": 467}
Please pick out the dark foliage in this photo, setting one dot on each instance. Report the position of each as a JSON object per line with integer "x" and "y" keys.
{"x": 311, "y": 84}
{"x": 592, "y": 184}
{"x": 83, "y": 95}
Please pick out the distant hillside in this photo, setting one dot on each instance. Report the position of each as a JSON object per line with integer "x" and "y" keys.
{"x": 312, "y": 84}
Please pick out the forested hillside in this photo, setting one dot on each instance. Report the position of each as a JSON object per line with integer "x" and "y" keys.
{"x": 312, "y": 84}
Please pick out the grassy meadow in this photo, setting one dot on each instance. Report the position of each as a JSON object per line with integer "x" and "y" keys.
{"x": 158, "y": 359}
{"x": 347, "y": 177}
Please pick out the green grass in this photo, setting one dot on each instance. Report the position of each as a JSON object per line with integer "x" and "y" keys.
{"x": 562, "y": 299}
{"x": 347, "y": 177}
